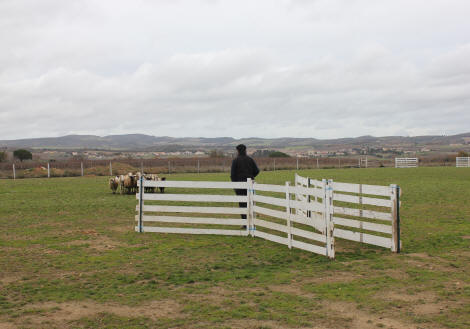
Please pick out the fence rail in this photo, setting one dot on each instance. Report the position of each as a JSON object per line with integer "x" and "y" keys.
{"x": 462, "y": 162}
{"x": 308, "y": 215}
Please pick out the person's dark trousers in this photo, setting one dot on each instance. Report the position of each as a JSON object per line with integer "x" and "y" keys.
{"x": 242, "y": 204}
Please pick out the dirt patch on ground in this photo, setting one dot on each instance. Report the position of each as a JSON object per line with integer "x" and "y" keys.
{"x": 422, "y": 303}
{"x": 258, "y": 324}
{"x": 363, "y": 320}
{"x": 6, "y": 325}
{"x": 420, "y": 255}
{"x": 297, "y": 287}
{"x": 97, "y": 242}
{"x": 292, "y": 289}
{"x": 70, "y": 311}
{"x": 406, "y": 297}
{"x": 393, "y": 273}
{"x": 430, "y": 263}
{"x": 216, "y": 295}
{"x": 9, "y": 279}
{"x": 123, "y": 229}
{"x": 431, "y": 308}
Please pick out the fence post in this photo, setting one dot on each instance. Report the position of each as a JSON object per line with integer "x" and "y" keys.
{"x": 309, "y": 198}
{"x": 110, "y": 169}
{"x": 297, "y": 163}
{"x": 169, "y": 167}
{"x": 14, "y": 172}
{"x": 81, "y": 167}
{"x": 141, "y": 168}
{"x": 250, "y": 218}
{"x": 288, "y": 213}
{"x": 327, "y": 213}
{"x": 48, "y": 170}
{"x": 395, "y": 198}
{"x": 141, "y": 202}
{"x": 317, "y": 164}
{"x": 274, "y": 165}
{"x": 198, "y": 166}
{"x": 366, "y": 161}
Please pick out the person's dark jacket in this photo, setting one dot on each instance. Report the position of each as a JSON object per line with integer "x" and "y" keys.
{"x": 243, "y": 167}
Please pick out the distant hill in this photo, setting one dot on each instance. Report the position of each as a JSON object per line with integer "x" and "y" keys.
{"x": 146, "y": 142}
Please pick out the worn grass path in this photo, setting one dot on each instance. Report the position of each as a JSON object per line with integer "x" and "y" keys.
{"x": 69, "y": 258}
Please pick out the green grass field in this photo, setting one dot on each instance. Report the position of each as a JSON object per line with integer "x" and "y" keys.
{"x": 71, "y": 259}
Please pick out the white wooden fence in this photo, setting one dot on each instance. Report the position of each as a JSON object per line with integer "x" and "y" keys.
{"x": 293, "y": 221}
{"x": 271, "y": 213}
{"x": 301, "y": 216}
{"x": 462, "y": 162}
{"x": 225, "y": 218}
{"x": 406, "y": 162}
{"x": 363, "y": 213}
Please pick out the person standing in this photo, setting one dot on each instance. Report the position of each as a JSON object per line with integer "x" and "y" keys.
{"x": 243, "y": 167}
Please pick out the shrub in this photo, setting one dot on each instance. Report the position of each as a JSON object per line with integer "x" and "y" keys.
{"x": 22, "y": 154}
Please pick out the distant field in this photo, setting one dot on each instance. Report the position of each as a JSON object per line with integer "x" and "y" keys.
{"x": 70, "y": 259}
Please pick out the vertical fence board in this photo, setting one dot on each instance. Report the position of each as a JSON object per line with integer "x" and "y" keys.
{"x": 288, "y": 214}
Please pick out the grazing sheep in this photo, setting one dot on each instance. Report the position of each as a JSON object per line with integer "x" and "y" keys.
{"x": 114, "y": 184}
{"x": 130, "y": 183}
{"x": 121, "y": 183}
{"x": 162, "y": 189}
{"x": 154, "y": 177}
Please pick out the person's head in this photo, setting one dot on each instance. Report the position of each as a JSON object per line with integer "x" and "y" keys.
{"x": 241, "y": 149}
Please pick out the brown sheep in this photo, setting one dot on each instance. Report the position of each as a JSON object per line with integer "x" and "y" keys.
{"x": 130, "y": 183}
{"x": 114, "y": 184}
{"x": 154, "y": 177}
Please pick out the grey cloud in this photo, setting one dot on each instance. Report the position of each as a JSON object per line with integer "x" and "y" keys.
{"x": 197, "y": 69}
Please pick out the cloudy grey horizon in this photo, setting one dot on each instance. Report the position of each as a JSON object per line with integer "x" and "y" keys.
{"x": 211, "y": 68}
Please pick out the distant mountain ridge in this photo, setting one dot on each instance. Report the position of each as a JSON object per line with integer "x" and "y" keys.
{"x": 141, "y": 142}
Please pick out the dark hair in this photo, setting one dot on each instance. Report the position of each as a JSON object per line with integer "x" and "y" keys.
{"x": 241, "y": 149}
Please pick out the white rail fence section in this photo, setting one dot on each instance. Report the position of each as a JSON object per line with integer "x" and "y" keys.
{"x": 363, "y": 213}
{"x": 462, "y": 162}
{"x": 290, "y": 218}
{"x": 406, "y": 162}
{"x": 301, "y": 216}
{"x": 224, "y": 218}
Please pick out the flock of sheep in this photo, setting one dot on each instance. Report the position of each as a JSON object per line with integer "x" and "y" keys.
{"x": 128, "y": 184}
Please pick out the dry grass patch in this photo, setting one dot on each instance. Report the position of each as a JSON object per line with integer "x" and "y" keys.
{"x": 98, "y": 242}
{"x": 62, "y": 313}
{"x": 363, "y": 320}
{"x": 425, "y": 296}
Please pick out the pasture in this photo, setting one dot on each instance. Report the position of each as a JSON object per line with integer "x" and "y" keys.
{"x": 70, "y": 258}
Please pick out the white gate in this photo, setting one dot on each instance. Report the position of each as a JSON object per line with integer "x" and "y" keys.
{"x": 462, "y": 162}
{"x": 406, "y": 162}
{"x": 363, "y": 213}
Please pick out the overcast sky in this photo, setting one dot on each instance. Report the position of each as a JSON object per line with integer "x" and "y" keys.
{"x": 266, "y": 68}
